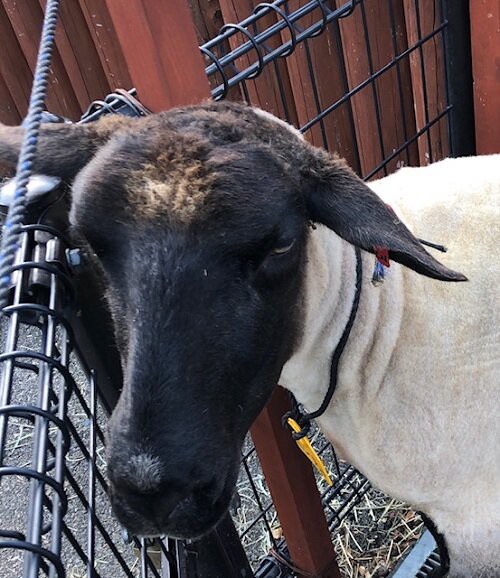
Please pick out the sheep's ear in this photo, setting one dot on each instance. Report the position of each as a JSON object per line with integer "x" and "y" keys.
{"x": 63, "y": 149}
{"x": 339, "y": 199}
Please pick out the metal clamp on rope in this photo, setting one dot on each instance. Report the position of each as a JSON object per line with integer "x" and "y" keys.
{"x": 303, "y": 428}
{"x": 299, "y": 434}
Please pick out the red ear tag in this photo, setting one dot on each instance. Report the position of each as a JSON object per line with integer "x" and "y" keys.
{"x": 382, "y": 254}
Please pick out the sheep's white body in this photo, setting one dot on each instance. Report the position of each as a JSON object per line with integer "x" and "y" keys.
{"x": 417, "y": 406}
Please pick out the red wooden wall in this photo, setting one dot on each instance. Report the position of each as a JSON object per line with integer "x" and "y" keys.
{"x": 105, "y": 44}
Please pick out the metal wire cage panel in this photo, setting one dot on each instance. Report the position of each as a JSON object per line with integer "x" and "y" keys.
{"x": 367, "y": 79}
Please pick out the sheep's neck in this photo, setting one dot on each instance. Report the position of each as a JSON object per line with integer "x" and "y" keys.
{"x": 328, "y": 297}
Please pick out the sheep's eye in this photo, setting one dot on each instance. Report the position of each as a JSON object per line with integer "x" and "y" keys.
{"x": 282, "y": 249}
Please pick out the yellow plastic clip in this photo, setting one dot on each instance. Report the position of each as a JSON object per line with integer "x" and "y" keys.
{"x": 306, "y": 447}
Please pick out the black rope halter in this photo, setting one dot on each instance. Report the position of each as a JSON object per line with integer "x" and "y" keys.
{"x": 304, "y": 419}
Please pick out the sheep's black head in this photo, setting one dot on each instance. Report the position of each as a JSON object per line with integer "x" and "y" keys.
{"x": 199, "y": 218}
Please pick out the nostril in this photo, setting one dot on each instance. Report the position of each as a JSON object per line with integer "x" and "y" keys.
{"x": 145, "y": 506}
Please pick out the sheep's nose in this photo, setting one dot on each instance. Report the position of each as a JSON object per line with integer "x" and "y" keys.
{"x": 155, "y": 507}
{"x": 149, "y": 513}
{"x": 144, "y": 494}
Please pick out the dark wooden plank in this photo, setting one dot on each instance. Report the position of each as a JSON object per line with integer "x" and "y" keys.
{"x": 315, "y": 69}
{"x": 26, "y": 20}
{"x": 160, "y": 49}
{"x": 208, "y": 21}
{"x": 403, "y": 100}
{"x": 293, "y": 489}
{"x": 13, "y": 66}
{"x": 70, "y": 62}
{"x": 207, "y": 18}
{"x": 264, "y": 91}
{"x": 429, "y": 86}
{"x": 106, "y": 42}
{"x": 8, "y": 111}
{"x": 363, "y": 105}
{"x": 395, "y": 98}
{"x": 485, "y": 37}
{"x": 80, "y": 54}
{"x": 378, "y": 108}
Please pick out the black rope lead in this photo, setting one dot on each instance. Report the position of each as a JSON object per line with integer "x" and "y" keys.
{"x": 304, "y": 419}
{"x": 17, "y": 210}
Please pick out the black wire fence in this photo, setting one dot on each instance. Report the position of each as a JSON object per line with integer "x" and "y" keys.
{"x": 364, "y": 78}
{"x": 57, "y": 382}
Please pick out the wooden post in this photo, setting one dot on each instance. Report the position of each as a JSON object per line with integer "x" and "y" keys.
{"x": 295, "y": 495}
{"x": 159, "y": 46}
{"x": 485, "y": 37}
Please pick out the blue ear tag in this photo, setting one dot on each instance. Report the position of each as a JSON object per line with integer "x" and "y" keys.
{"x": 381, "y": 262}
{"x": 378, "y": 276}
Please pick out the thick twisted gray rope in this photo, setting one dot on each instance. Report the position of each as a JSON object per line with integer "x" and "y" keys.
{"x": 14, "y": 222}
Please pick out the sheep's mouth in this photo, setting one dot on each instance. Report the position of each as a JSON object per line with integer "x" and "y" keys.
{"x": 187, "y": 522}
{"x": 191, "y": 518}
{"x": 191, "y": 521}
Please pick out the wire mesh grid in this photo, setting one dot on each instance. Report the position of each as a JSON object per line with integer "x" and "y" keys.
{"x": 362, "y": 78}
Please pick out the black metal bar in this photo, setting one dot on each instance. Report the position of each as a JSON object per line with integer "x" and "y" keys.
{"x": 424, "y": 80}
{"x": 262, "y": 508}
{"x": 415, "y": 137}
{"x": 398, "y": 74}
{"x": 317, "y": 103}
{"x": 220, "y": 554}
{"x": 459, "y": 81}
{"x": 345, "y": 84}
{"x": 92, "y": 480}
{"x": 220, "y": 91}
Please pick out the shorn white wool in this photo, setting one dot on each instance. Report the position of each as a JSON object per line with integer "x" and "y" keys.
{"x": 417, "y": 403}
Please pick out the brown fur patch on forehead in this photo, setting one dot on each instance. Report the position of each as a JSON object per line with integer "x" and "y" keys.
{"x": 179, "y": 184}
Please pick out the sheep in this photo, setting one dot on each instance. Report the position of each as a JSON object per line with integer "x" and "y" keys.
{"x": 227, "y": 247}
